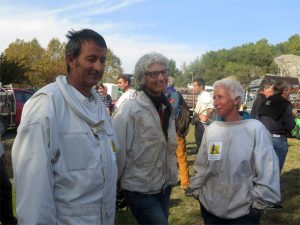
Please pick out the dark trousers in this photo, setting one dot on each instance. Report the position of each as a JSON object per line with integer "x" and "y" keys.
{"x": 199, "y": 131}
{"x": 6, "y": 211}
{"x": 149, "y": 209}
{"x": 253, "y": 218}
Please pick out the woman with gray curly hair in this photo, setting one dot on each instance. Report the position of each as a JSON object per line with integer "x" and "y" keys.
{"x": 147, "y": 165}
{"x": 236, "y": 169}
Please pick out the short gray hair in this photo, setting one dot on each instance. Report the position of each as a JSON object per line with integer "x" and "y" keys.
{"x": 142, "y": 65}
{"x": 235, "y": 88}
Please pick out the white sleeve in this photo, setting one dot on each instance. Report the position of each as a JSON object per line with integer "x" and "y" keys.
{"x": 123, "y": 127}
{"x": 266, "y": 181}
{"x": 33, "y": 175}
{"x": 200, "y": 169}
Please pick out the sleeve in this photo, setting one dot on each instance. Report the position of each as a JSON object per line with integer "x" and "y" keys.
{"x": 123, "y": 126}
{"x": 31, "y": 158}
{"x": 208, "y": 101}
{"x": 288, "y": 120}
{"x": 266, "y": 181}
{"x": 200, "y": 170}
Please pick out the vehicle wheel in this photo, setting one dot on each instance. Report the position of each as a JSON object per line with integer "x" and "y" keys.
{"x": 3, "y": 126}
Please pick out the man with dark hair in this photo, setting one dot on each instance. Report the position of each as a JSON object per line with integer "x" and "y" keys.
{"x": 265, "y": 90}
{"x": 64, "y": 153}
{"x": 203, "y": 110}
{"x": 276, "y": 115}
{"x": 124, "y": 83}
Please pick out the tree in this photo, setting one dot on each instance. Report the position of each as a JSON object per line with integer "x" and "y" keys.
{"x": 44, "y": 65}
{"x": 113, "y": 67}
{"x": 11, "y": 71}
{"x": 52, "y": 63}
{"x": 28, "y": 54}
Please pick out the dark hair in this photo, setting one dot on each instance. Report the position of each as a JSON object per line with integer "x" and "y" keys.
{"x": 77, "y": 38}
{"x": 126, "y": 77}
{"x": 266, "y": 83}
{"x": 199, "y": 81}
{"x": 280, "y": 86}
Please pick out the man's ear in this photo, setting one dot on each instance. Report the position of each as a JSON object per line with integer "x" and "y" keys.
{"x": 237, "y": 101}
{"x": 71, "y": 61}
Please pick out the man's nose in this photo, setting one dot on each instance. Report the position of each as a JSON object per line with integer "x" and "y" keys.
{"x": 99, "y": 66}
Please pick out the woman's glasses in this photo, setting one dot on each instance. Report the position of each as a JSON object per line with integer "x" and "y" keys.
{"x": 155, "y": 74}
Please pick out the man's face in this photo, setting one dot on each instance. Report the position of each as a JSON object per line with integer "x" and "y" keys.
{"x": 154, "y": 84}
{"x": 122, "y": 84}
{"x": 223, "y": 102}
{"x": 101, "y": 90}
{"x": 286, "y": 93}
{"x": 197, "y": 88}
{"x": 268, "y": 91}
{"x": 87, "y": 69}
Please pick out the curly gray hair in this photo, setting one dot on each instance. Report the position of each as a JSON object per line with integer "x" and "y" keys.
{"x": 142, "y": 65}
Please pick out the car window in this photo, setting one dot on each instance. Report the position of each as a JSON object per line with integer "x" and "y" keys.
{"x": 19, "y": 97}
{"x": 22, "y": 96}
{"x": 27, "y": 96}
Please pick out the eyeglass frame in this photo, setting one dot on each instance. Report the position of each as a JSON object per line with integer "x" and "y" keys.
{"x": 155, "y": 74}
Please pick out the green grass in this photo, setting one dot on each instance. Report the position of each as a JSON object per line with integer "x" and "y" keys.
{"x": 185, "y": 210}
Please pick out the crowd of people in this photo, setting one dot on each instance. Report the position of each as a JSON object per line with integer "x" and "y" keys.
{"x": 75, "y": 150}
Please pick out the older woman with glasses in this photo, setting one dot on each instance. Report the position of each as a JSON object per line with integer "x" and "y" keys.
{"x": 146, "y": 160}
{"x": 236, "y": 169}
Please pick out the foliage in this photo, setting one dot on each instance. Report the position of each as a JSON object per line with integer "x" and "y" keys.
{"x": 39, "y": 66}
{"x": 246, "y": 62}
{"x": 28, "y": 62}
{"x": 113, "y": 67}
{"x": 11, "y": 71}
{"x": 180, "y": 80}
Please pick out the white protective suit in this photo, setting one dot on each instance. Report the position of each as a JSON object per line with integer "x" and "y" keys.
{"x": 147, "y": 163}
{"x": 236, "y": 168}
{"x": 63, "y": 159}
{"x": 129, "y": 94}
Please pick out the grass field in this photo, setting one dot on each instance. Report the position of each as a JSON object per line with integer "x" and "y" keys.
{"x": 185, "y": 210}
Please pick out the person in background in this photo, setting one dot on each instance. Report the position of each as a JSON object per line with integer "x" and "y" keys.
{"x": 147, "y": 167}
{"x": 124, "y": 83}
{"x": 233, "y": 182}
{"x": 276, "y": 114}
{"x": 203, "y": 110}
{"x": 176, "y": 100}
{"x": 105, "y": 98}
{"x": 265, "y": 90}
{"x": 64, "y": 153}
{"x": 6, "y": 209}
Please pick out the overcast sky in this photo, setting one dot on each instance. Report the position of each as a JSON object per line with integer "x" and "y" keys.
{"x": 180, "y": 29}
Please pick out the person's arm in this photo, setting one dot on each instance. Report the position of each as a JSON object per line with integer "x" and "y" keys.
{"x": 200, "y": 170}
{"x": 208, "y": 102}
{"x": 123, "y": 127}
{"x": 266, "y": 181}
{"x": 204, "y": 117}
{"x": 289, "y": 120}
{"x": 31, "y": 158}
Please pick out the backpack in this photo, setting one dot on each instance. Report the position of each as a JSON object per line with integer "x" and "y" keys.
{"x": 183, "y": 118}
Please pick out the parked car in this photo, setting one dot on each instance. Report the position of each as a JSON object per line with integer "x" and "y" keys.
{"x": 12, "y": 101}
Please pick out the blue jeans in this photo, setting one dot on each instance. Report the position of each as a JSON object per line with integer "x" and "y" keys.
{"x": 149, "y": 209}
{"x": 253, "y": 218}
{"x": 281, "y": 148}
{"x": 199, "y": 131}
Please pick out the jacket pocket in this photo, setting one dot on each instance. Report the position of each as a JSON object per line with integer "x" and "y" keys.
{"x": 76, "y": 150}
